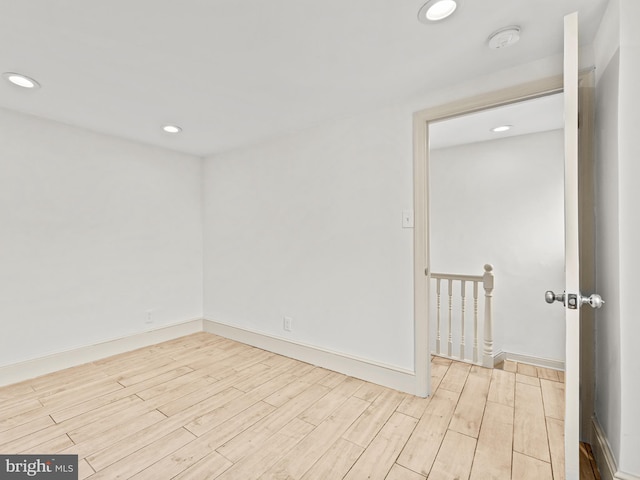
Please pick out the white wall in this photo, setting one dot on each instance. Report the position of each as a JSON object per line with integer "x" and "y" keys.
{"x": 499, "y": 202}
{"x": 629, "y": 222}
{"x": 94, "y": 232}
{"x": 309, "y": 226}
{"x": 618, "y": 232}
{"x": 608, "y": 380}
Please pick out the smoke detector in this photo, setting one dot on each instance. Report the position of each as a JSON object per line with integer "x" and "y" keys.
{"x": 505, "y": 37}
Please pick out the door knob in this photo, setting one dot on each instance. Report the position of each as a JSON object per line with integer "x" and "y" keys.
{"x": 551, "y": 297}
{"x": 594, "y": 300}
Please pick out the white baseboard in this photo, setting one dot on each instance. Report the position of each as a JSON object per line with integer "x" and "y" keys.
{"x": 607, "y": 464}
{"x": 18, "y": 372}
{"x": 531, "y": 360}
{"x": 389, "y": 376}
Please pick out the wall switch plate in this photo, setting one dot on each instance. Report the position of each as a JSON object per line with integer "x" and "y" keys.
{"x": 407, "y": 219}
{"x": 287, "y": 323}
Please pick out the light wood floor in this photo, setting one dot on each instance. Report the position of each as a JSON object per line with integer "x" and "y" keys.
{"x": 203, "y": 407}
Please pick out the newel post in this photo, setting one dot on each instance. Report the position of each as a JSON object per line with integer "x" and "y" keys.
{"x": 487, "y": 281}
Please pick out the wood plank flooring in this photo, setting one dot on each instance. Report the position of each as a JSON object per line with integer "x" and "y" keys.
{"x": 204, "y": 407}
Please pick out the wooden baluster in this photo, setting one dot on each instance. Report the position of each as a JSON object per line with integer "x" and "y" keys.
{"x": 487, "y": 281}
{"x": 462, "y": 293}
{"x": 475, "y": 322}
{"x": 438, "y": 316}
{"x": 450, "y": 342}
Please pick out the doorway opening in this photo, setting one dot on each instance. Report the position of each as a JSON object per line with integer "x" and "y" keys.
{"x": 496, "y": 197}
{"x": 423, "y": 121}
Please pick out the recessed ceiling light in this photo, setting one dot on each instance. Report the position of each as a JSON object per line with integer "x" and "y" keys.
{"x": 20, "y": 80}
{"x": 172, "y": 129}
{"x": 501, "y": 128}
{"x": 436, "y": 10}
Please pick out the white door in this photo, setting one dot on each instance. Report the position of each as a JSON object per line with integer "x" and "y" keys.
{"x": 572, "y": 264}
{"x": 572, "y": 298}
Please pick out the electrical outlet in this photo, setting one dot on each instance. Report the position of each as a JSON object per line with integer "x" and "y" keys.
{"x": 286, "y": 324}
{"x": 149, "y": 317}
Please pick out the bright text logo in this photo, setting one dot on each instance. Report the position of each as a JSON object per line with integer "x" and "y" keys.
{"x": 57, "y": 467}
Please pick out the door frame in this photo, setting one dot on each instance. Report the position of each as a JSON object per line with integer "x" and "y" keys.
{"x": 507, "y": 96}
{"x": 421, "y": 120}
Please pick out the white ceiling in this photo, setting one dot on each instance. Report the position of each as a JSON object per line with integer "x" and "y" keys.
{"x": 234, "y": 73}
{"x": 530, "y": 116}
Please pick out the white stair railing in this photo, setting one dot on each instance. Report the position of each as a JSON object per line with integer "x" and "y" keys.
{"x": 487, "y": 281}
